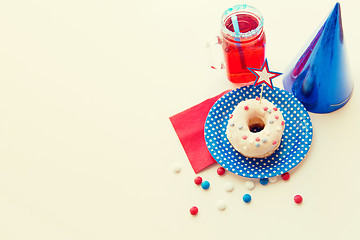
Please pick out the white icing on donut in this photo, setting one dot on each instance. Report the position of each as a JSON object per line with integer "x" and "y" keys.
{"x": 248, "y": 114}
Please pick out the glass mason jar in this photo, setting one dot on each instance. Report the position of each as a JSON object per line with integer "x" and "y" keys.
{"x": 243, "y": 43}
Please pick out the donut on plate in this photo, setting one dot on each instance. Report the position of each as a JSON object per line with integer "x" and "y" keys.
{"x": 255, "y": 128}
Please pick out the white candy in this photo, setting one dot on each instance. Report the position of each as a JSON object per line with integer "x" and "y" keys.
{"x": 250, "y": 185}
{"x": 229, "y": 187}
{"x": 273, "y": 179}
{"x": 221, "y": 205}
{"x": 176, "y": 167}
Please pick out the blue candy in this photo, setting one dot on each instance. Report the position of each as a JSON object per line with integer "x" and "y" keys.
{"x": 247, "y": 198}
{"x": 264, "y": 181}
{"x": 205, "y": 185}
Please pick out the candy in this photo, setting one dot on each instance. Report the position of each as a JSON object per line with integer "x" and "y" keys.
{"x": 257, "y": 145}
{"x": 275, "y": 109}
{"x": 220, "y": 171}
{"x": 264, "y": 140}
{"x": 247, "y": 198}
{"x": 282, "y": 123}
{"x": 229, "y": 187}
{"x": 271, "y": 121}
{"x": 298, "y": 199}
{"x": 246, "y": 108}
{"x": 244, "y": 137}
{"x": 194, "y": 210}
{"x": 176, "y": 168}
{"x": 285, "y": 176}
{"x": 257, "y": 98}
{"x": 264, "y": 181}
{"x": 198, "y": 180}
{"x": 257, "y": 139}
{"x": 205, "y": 185}
{"x": 241, "y": 127}
{"x": 250, "y": 185}
{"x": 232, "y": 124}
{"x": 274, "y": 142}
{"x": 265, "y": 109}
{"x": 231, "y": 116}
{"x": 276, "y": 117}
{"x": 273, "y": 179}
{"x": 221, "y": 205}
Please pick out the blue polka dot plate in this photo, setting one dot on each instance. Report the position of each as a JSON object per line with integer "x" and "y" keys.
{"x": 295, "y": 143}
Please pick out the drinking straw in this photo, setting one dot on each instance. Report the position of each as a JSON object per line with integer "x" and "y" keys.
{"x": 237, "y": 39}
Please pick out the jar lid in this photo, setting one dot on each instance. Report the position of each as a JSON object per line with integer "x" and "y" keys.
{"x": 243, "y": 8}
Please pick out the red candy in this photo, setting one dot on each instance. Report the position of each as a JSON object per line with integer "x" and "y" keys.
{"x": 285, "y": 176}
{"x": 274, "y": 142}
{"x": 265, "y": 108}
{"x": 220, "y": 171}
{"x": 282, "y": 123}
{"x": 231, "y": 116}
{"x": 257, "y": 139}
{"x": 244, "y": 137}
{"x": 194, "y": 210}
{"x": 276, "y": 117}
{"x": 246, "y": 108}
{"x": 298, "y": 199}
{"x": 275, "y": 109}
{"x": 257, "y": 98}
{"x": 198, "y": 180}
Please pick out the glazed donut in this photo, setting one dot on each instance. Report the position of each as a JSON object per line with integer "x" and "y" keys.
{"x": 255, "y": 128}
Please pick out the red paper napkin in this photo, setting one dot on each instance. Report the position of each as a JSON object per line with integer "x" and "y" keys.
{"x": 189, "y": 126}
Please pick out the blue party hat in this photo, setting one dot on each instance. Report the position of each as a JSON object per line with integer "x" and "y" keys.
{"x": 320, "y": 77}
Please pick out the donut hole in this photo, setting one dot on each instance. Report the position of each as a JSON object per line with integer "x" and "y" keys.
{"x": 256, "y": 124}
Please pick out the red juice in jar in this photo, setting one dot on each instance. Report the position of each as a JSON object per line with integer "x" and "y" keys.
{"x": 245, "y": 48}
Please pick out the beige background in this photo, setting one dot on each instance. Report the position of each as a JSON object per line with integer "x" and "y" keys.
{"x": 86, "y": 147}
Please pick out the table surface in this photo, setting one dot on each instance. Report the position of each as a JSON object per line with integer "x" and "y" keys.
{"x": 87, "y": 148}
